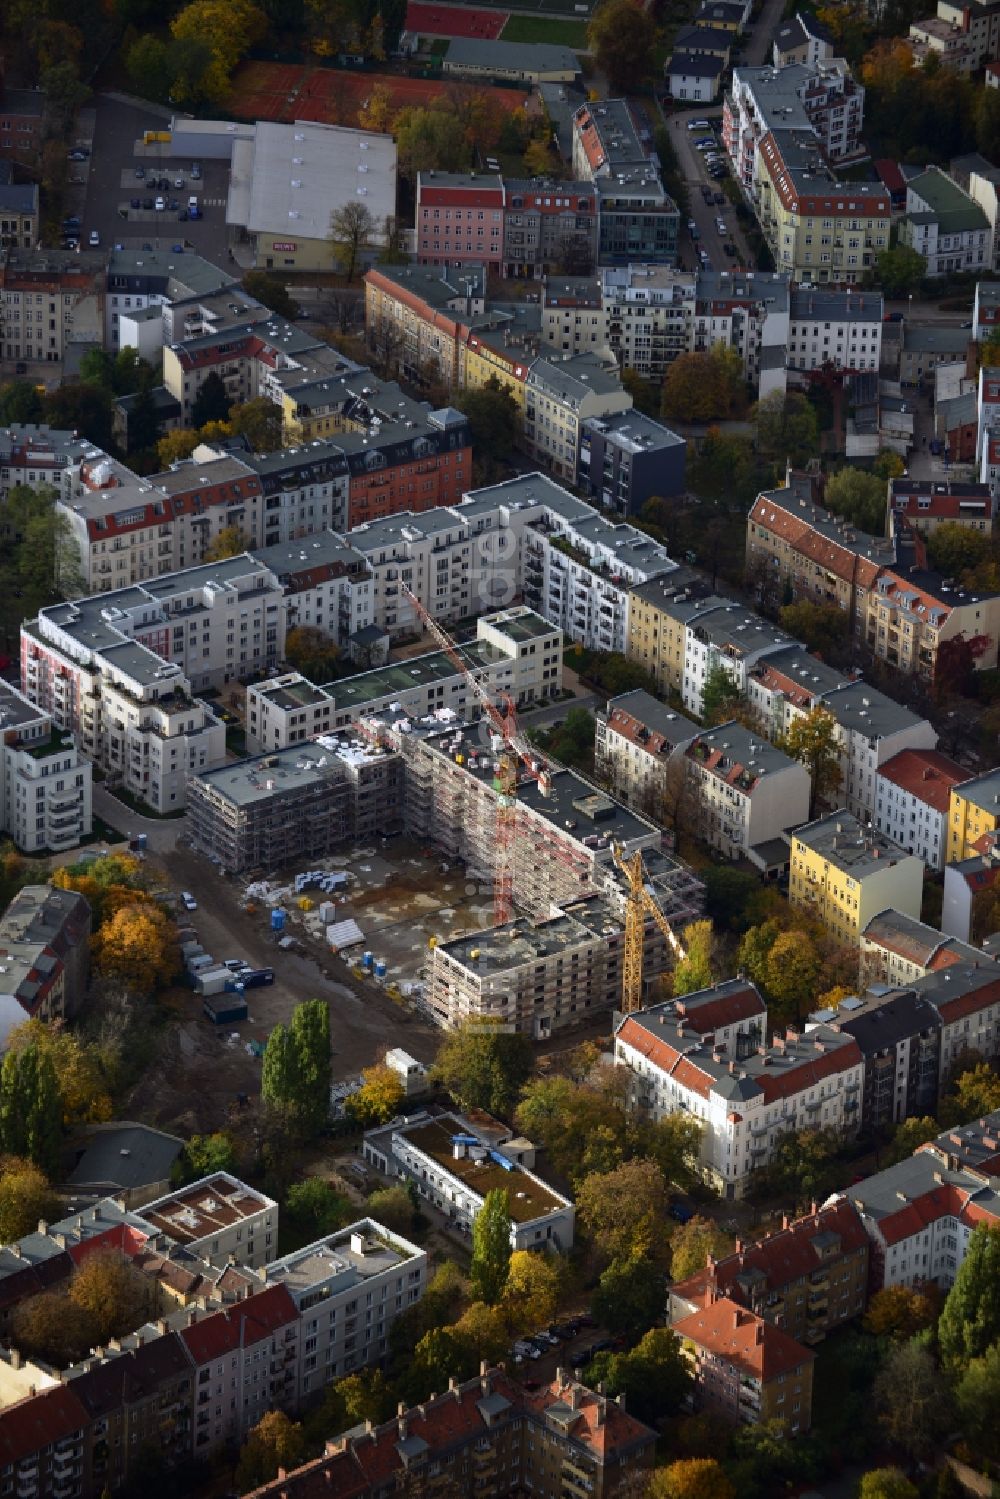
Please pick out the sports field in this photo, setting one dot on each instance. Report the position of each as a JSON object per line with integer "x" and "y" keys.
{"x": 547, "y": 29}
{"x": 286, "y": 92}
{"x": 452, "y": 20}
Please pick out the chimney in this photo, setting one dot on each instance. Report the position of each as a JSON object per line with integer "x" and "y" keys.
{"x": 784, "y": 1221}
{"x": 16, "y": 1360}
{"x": 401, "y": 1408}
{"x": 43, "y": 1227}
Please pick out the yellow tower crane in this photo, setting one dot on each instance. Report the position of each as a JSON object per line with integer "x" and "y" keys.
{"x": 638, "y": 903}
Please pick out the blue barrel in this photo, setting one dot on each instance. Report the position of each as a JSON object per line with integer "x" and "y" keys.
{"x": 367, "y": 961}
{"x": 278, "y": 919}
{"x": 141, "y": 841}
{"x": 380, "y": 969}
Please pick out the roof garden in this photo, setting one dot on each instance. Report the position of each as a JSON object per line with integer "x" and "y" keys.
{"x": 527, "y": 1197}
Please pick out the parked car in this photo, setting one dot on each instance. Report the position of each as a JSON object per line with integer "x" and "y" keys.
{"x": 699, "y": 125}
{"x": 140, "y": 173}
{"x": 77, "y": 155}
{"x": 71, "y": 221}
{"x": 720, "y": 224}
{"x": 731, "y": 249}
{"x": 179, "y": 182}
{"x": 680, "y": 1212}
{"x": 694, "y": 230}
{"x": 196, "y": 171}
{"x": 94, "y": 239}
{"x": 174, "y": 204}
{"x": 188, "y": 901}
{"x": 147, "y": 203}
{"x": 547, "y": 1338}
{"x": 135, "y": 202}
{"x": 160, "y": 205}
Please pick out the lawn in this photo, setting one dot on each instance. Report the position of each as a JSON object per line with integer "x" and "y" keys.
{"x": 546, "y": 29}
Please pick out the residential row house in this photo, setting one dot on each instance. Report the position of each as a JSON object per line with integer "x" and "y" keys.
{"x": 745, "y": 791}
{"x": 45, "y": 943}
{"x": 746, "y": 1370}
{"x": 912, "y": 798}
{"x": 49, "y": 301}
{"x": 844, "y": 873}
{"x": 897, "y": 949}
{"x": 524, "y": 228}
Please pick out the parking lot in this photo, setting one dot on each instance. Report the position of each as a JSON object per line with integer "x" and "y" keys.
{"x": 708, "y": 203}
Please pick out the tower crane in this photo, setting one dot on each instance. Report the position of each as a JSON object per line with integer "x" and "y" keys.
{"x": 637, "y": 903}
{"x": 502, "y": 717}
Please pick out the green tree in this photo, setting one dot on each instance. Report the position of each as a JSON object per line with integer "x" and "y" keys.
{"x": 25, "y": 1197}
{"x": 629, "y": 1296}
{"x": 803, "y": 1165}
{"x": 351, "y": 230}
{"x": 755, "y": 949}
{"x": 973, "y": 1094}
{"x": 913, "y": 1401}
{"x": 82, "y": 408}
{"x": 491, "y": 1247}
{"x": 900, "y": 270}
{"x": 531, "y": 1295}
{"x": 483, "y": 1067}
{"x": 394, "y": 1207}
{"x": 494, "y": 425}
{"x": 97, "y": 367}
{"x": 211, "y": 404}
{"x": 621, "y": 38}
{"x": 30, "y": 1111}
{"x": 64, "y": 94}
{"x": 275, "y": 1442}
{"x": 888, "y": 465}
{"x": 204, "y": 1154}
{"x": 694, "y": 970}
{"x": 272, "y": 292}
{"x": 786, "y": 427}
{"x": 887, "y": 1483}
{"x": 818, "y": 626}
{"x": 691, "y": 1478}
{"x": 312, "y": 652}
{"x": 970, "y": 1321}
{"x": 429, "y": 140}
{"x": 623, "y": 1211}
{"x": 812, "y": 740}
{"x": 693, "y": 1242}
{"x": 858, "y": 497}
{"x": 378, "y": 1099}
{"x": 20, "y": 402}
{"x": 721, "y": 698}
{"x": 794, "y": 974}
{"x": 909, "y": 1136}
{"x": 277, "y": 1077}
{"x": 259, "y": 421}
{"x": 654, "y": 1378}
{"x": 314, "y": 1208}
{"x": 977, "y": 1396}
{"x": 953, "y": 548}
{"x": 310, "y": 1030}
{"x": 149, "y": 68}
{"x": 724, "y": 471}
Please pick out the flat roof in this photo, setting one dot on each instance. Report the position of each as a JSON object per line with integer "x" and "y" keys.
{"x": 343, "y": 1259}
{"x": 508, "y": 57}
{"x": 264, "y": 777}
{"x": 528, "y": 940}
{"x": 635, "y": 432}
{"x": 527, "y": 1197}
{"x": 301, "y": 174}
{"x": 842, "y": 840}
{"x": 208, "y": 1206}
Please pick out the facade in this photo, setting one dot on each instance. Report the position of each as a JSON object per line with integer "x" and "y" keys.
{"x": 45, "y": 785}
{"x": 899, "y": 1036}
{"x": 49, "y": 299}
{"x": 745, "y": 1096}
{"x": 964, "y": 879}
{"x": 945, "y": 225}
{"x": 727, "y": 637}
{"x": 747, "y": 1370}
{"x": 801, "y": 40}
{"x": 820, "y": 99}
{"x": 985, "y": 309}
{"x": 896, "y": 950}
{"x": 454, "y": 1167}
{"x": 637, "y": 219}
{"x": 559, "y": 397}
{"x": 22, "y": 119}
{"x": 844, "y": 874}
{"x": 746, "y": 791}
{"x": 460, "y": 219}
{"x": 626, "y": 459}
{"x": 912, "y": 797}
{"x": 659, "y": 612}
{"x": 635, "y": 742}
{"x": 559, "y": 1438}
{"x": 511, "y": 62}
{"x": 216, "y": 1217}
{"x": 839, "y": 328}
{"x": 174, "y": 287}
{"x": 871, "y": 729}
{"x": 694, "y": 76}
{"x": 45, "y": 941}
{"x": 925, "y": 504}
{"x": 18, "y": 212}
{"x": 808, "y": 1277}
{"x": 973, "y": 811}
{"x": 549, "y": 227}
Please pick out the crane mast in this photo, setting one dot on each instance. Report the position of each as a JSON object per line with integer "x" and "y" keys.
{"x": 639, "y": 902}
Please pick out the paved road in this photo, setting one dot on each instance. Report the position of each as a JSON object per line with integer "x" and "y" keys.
{"x": 704, "y": 214}
{"x": 758, "y": 48}
{"x": 161, "y": 835}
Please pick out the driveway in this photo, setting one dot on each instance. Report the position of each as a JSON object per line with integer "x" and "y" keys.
{"x": 705, "y": 215}
{"x": 161, "y": 834}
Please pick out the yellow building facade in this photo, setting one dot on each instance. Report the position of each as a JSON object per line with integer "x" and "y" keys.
{"x": 973, "y": 809}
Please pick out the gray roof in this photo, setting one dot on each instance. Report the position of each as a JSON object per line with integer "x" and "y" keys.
{"x": 126, "y": 1157}
{"x": 635, "y": 432}
{"x": 180, "y": 275}
{"x": 922, "y": 338}
{"x": 983, "y": 791}
{"x": 291, "y": 178}
{"x": 695, "y": 65}
{"x": 675, "y": 727}
{"x": 844, "y": 842}
{"x": 573, "y": 379}
{"x": 703, "y": 39}
{"x": 322, "y": 549}
{"x": 742, "y": 746}
{"x": 512, "y": 57}
{"x": 880, "y": 1021}
{"x": 17, "y": 197}
{"x": 837, "y": 306}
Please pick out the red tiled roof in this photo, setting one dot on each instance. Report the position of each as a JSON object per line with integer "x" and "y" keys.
{"x": 665, "y": 1056}
{"x": 120, "y": 1236}
{"x": 926, "y": 774}
{"x": 913, "y": 1217}
{"x": 715, "y": 1014}
{"x": 782, "y": 1257}
{"x": 807, "y": 1074}
{"x": 38, "y": 1421}
{"x": 890, "y": 174}
{"x": 970, "y": 1003}
{"x": 803, "y": 538}
{"x": 239, "y": 1326}
{"x": 744, "y": 1339}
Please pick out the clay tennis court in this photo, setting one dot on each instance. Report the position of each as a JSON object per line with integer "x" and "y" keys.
{"x": 448, "y": 20}
{"x": 282, "y": 92}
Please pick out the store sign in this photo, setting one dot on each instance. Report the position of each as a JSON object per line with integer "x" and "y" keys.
{"x": 283, "y": 244}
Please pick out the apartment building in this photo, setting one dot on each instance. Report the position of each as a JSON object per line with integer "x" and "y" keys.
{"x": 802, "y": 39}
{"x": 635, "y": 741}
{"x": 421, "y": 316}
{"x": 944, "y": 225}
{"x": 174, "y": 286}
{"x": 217, "y": 1217}
{"x": 871, "y": 729}
{"x": 49, "y": 299}
{"x": 899, "y": 1036}
{"x": 659, "y": 612}
{"x": 912, "y": 613}
{"x": 45, "y": 784}
{"x": 921, "y": 1213}
{"x": 746, "y": 791}
{"x": 787, "y": 684}
{"x": 459, "y": 218}
{"x": 22, "y": 114}
{"x": 549, "y": 228}
{"x": 808, "y": 1277}
{"x": 561, "y": 1437}
{"x": 348, "y": 1289}
{"x": 974, "y": 811}
{"x": 842, "y": 328}
{"x": 747, "y": 311}
{"x": 245, "y": 1362}
{"x": 646, "y": 312}
{"x": 731, "y": 1016}
{"x": 744, "y": 1103}
{"x": 326, "y": 585}
{"x": 794, "y": 544}
{"x": 964, "y": 880}
{"x": 572, "y": 317}
{"x": 820, "y": 100}
{"x": 454, "y": 1164}
{"x": 912, "y": 798}
{"x": 637, "y": 219}
{"x": 725, "y": 637}
{"x": 933, "y": 37}
{"x": 985, "y": 310}
{"x": 925, "y": 504}
{"x": 896, "y": 950}
{"x": 45, "y": 941}
{"x": 18, "y": 211}
{"x": 559, "y": 397}
{"x": 747, "y": 1370}
{"x": 627, "y": 459}
{"x": 844, "y": 874}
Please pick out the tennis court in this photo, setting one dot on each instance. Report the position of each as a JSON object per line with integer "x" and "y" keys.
{"x": 277, "y": 91}
{"x": 450, "y": 20}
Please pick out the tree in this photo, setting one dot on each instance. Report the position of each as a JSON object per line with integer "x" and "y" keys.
{"x": 900, "y": 270}
{"x": 720, "y": 697}
{"x": 977, "y": 1396}
{"x": 482, "y": 1334}
{"x": 694, "y": 970}
{"x": 25, "y": 1197}
{"x": 116, "y": 1296}
{"x": 54, "y": 1328}
{"x": 704, "y": 387}
{"x": 691, "y": 1478}
{"x": 278, "y": 1075}
{"x": 538, "y": 161}
{"x": 913, "y": 1401}
{"x": 203, "y": 1155}
{"x": 80, "y": 407}
{"x": 812, "y": 740}
{"x": 20, "y": 402}
{"x": 953, "y": 548}
{"x": 430, "y": 139}
{"x": 84, "y": 1091}
{"x": 30, "y": 1108}
{"x": 802, "y": 1165}
{"x": 970, "y": 1321}
{"x": 272, "y": 292}
{"x": 64, "y": 94}
{"x": 483, "y": 1067}
{"x": 310, "y": 1032}
{"x": 138, "y": 948}
{"x": 859, "y": 498}
{"x": 315, "y": 1208}
{"x": 351, "y": 229}
{"x": 786, "y": 427}
{"x": 393, "y": 1206}
{"x": 900, "y": 1312}
{"x": 794, "y": 972}
{"x": 149, "y": 67}
{"x": 624, "y": 1210}
{"x": 96, "y": 366}
{"x": 377, "y": 111}
{"x": 531, "y": 1295}
{"x": 693, "y": 1242}
{"x": 494, "y": 425}
{"x": 909, "y": 1136}
{"x": 230, "y": 542}
{"x": 955, "y": 666}
{"x": 818, "y": 626}
{"x": 491, "y": 1247}
{"x": 312, "y": 652}
{"x": 227, "y": 29}
{"x": 174, "y": 447}
{"x": 211, "y": 404}
{"x": 378, "y": 1099}
{"x": 654, "y": 1378}
{"x": 888, "y": 465}
{"x": 629, "y": 1296}
{"x": 621, "y": 36}
{"x": 973, "y": 1094}
{"x": 275, "y": 1442}
{"x": 259, "y": 421}
{"x": 674, "y": 1143}
{"x": 887, "y": 1483}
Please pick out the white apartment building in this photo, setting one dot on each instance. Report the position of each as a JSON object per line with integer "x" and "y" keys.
{"x": 871, "y": 729}
{"x": 454, "y": 1163}
{"x": 748, "y": 792}
{"x": 246, "y": 1362}
{"x": 218, "y": 1216}
{"x": 635, "y": 741}
{"x": 162, "y": 280}
{"x": 327, "y": 584}
{"x": 745, "y": 1103}
{"x": 646, "y": 313}
{"x": 729, "y": 637}
{"x": 747, "y": 311}
{"x": 839, "y": 328}
{"x": 348, "y": 1289}
{"x": 821, "y": 98}
{"x": 912, "y": 793}
{"x": 45, "y": 785}
{"x": 944, "y": 225}
{"x": 896, "y": 950}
